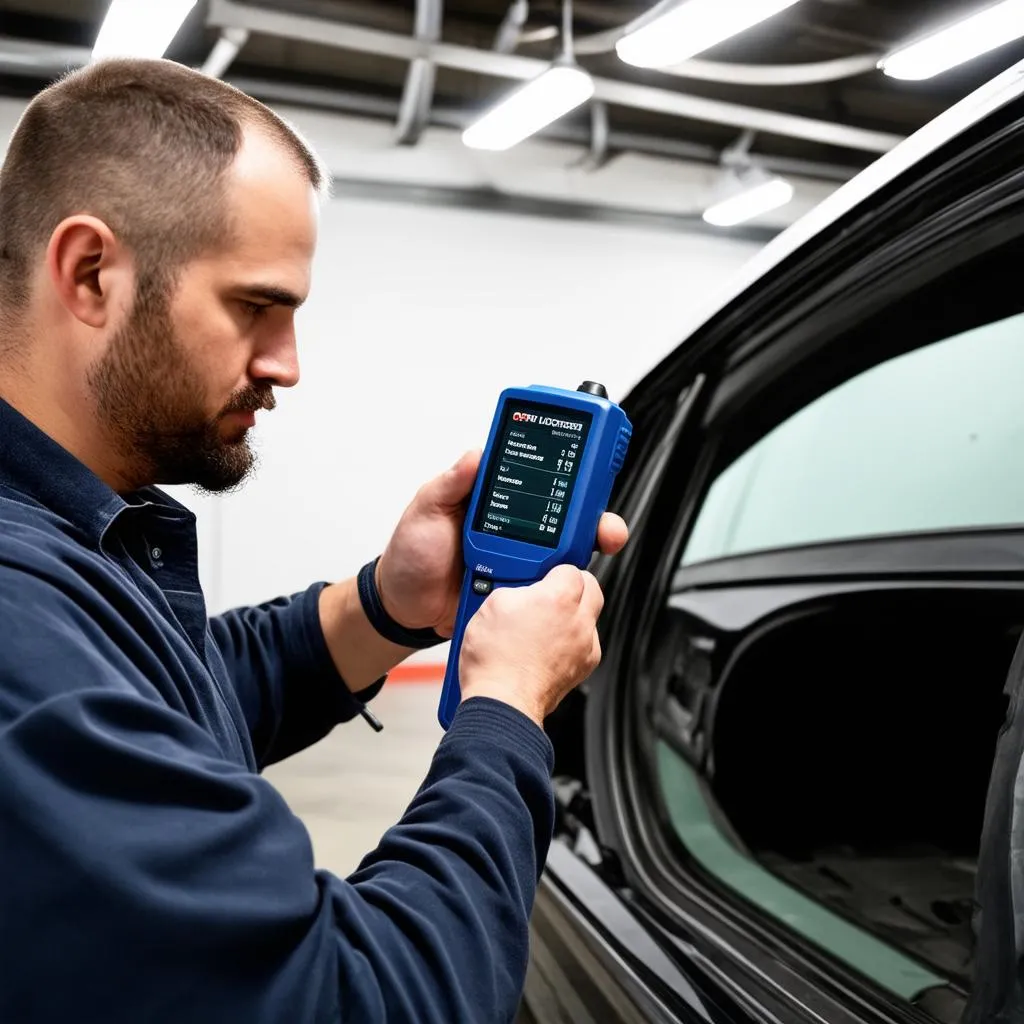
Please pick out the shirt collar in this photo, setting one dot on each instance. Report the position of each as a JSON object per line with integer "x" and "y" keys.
{"x": 36, "y": 466}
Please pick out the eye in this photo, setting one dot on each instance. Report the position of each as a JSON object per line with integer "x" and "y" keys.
{"x": 255, "y": 309}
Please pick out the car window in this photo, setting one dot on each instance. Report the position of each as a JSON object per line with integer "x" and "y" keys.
{"x": 931, "y": 440}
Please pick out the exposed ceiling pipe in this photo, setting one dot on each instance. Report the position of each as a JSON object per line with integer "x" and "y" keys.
{"x": 598, "y": 153}
{"x": 40, "y": 60}
{"x": 224, "y": 52}
{"x": 539, "y": 35}
{"x": 775, "y": 74}
{"x": 600, "y": 133}
{"x": 510, "y": 31}
{"x": 227, "y": 13}
{"x": 418, "y": 92}
{"x": 447, "y": 117}
{"x": 728, "y": 73}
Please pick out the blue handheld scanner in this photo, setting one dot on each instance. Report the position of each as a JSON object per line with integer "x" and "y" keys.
{"x": 545, "y": 479}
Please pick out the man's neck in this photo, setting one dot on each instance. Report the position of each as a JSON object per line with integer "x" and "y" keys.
{"x": 74, "y": 431}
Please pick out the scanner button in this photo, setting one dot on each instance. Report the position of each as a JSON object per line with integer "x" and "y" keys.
{"x": 482, "y": 586}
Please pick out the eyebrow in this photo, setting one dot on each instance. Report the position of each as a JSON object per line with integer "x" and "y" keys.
{"x": 276, "y": 296}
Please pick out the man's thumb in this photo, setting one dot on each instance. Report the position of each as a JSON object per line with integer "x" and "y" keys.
{"x": 453, "y": 487}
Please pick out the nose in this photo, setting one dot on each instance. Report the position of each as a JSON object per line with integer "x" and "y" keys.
{"x": 276, "y": 361}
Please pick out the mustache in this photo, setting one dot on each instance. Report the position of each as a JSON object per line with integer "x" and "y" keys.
{"x": 252, "y": 398}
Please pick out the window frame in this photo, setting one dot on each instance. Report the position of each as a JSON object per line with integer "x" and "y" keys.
{"x": 968, "y": 209}
{"x": 738, "y": 506}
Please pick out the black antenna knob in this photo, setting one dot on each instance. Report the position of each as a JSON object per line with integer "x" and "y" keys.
{"x": 591, "y": 387}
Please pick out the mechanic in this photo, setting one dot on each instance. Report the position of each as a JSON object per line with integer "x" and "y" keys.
{"x": 157, "y": 229}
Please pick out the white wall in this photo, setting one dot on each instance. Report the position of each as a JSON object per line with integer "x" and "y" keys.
{"x": 419, "y": 316}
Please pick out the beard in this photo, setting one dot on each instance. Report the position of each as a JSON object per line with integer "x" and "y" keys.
{"x": 149, "y": 400}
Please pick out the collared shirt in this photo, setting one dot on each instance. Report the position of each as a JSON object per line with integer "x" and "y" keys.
{"x": 147, "y": 872}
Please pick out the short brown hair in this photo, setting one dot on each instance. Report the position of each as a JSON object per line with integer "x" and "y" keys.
{"x": 142, "y": 144}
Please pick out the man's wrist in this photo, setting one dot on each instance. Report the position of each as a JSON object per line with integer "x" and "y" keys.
{"x": 380, "y": 619}
{"x": 380, "y": 587}
{"x": 520, "y": 702}
{"x": 360, "y": 656}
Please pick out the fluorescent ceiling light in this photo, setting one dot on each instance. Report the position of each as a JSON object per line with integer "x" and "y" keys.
{"x": 561, "y": 88}
{"x": 140, "y": 28}
{"x": 957, "y": 43}
{"x": 692, "y": 28}
{"x": 756, "y": 196}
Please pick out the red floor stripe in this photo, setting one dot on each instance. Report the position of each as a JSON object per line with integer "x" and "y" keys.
{"x": 416, "y": 673}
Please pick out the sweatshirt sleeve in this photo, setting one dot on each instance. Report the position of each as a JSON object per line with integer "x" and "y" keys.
{"x": 148, "y": 878}
{"x": 283, "y": 674}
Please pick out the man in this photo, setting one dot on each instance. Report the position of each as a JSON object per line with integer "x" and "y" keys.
{"x": 156, "y": 235}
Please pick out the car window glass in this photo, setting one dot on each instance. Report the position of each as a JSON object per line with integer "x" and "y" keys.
{"x": 931, "y": 440}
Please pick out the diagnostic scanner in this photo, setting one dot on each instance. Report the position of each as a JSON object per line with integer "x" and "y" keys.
{"x": 545, "y": 478}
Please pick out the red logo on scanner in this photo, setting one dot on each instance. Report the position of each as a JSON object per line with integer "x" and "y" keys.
{"x": 546, "y": 421}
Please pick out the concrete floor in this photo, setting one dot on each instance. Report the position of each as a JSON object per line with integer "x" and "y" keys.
{"x": 353, "y": 785}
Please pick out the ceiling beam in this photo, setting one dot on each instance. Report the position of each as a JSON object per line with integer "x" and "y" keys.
{"x": 495, "y": 201}
{"x": 229, "y": 14}
{"x": 361, "y": 104}
{"x": 40, "y": 60}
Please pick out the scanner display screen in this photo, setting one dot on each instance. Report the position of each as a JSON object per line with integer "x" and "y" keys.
{"x": 532, "y": 472}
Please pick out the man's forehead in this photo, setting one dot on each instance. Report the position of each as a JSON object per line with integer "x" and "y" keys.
{"x": 268, "y": 185}
{"x": 273, "y": 212}
{"x": 262, "y": 155}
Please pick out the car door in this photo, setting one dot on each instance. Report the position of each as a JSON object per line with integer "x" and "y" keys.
{"x": 917, "y": 264}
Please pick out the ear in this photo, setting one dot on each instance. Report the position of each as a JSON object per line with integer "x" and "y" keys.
{"x": 89, "y": 269}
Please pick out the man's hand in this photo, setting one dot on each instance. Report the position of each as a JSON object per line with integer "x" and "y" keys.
{"x": 420, "y": 573}
{"x": 529, "y": 646}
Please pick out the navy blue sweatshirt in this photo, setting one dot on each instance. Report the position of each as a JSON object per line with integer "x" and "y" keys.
{"x": 147, "y": 872}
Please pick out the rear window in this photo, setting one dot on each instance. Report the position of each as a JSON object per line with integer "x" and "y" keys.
{"x": 932, "y": 440}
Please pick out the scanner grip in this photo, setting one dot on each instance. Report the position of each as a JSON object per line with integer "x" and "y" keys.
{"x": 451, "y": 693}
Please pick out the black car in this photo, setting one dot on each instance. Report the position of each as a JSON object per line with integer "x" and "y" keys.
{"x": 771, "y": 795}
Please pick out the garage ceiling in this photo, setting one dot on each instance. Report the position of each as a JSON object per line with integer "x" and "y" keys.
{"x": 277, "y": 68}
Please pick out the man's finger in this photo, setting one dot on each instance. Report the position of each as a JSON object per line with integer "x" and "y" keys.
{"x": 452, "y": 488}
{"x": 566, "y": 578}
{"x": 612, "y": 534}
{"x": 592, "y": 598}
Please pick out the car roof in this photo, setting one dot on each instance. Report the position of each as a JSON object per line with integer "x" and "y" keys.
{"x": 961, "y": 116}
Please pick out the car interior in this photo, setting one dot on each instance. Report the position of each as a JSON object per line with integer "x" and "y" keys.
{"x": 871, "y": 717}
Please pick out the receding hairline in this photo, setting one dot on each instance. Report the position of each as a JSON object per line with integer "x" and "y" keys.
{"x": 252, "y": 128}
{"x": 247, "y": 111}
{"x": 257, "y": 117}
{"x": 165, "y": 215}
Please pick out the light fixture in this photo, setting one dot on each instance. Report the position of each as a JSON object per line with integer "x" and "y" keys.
{"x": 744, "y": 195}
{"x": 691, "y": 28}
{"x": 140, "y": 28}
{"x": 956, "y": 43}
{"x": 554, "y": 93}
{"x": 559, "y": 89}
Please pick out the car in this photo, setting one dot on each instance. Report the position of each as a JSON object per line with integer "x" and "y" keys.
{"x": 770, "y": 796}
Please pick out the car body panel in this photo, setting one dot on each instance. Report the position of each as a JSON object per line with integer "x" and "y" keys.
{"x": 751, "y": 960}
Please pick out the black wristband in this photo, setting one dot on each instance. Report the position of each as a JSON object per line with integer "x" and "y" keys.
{"x": 369, "y": 597}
